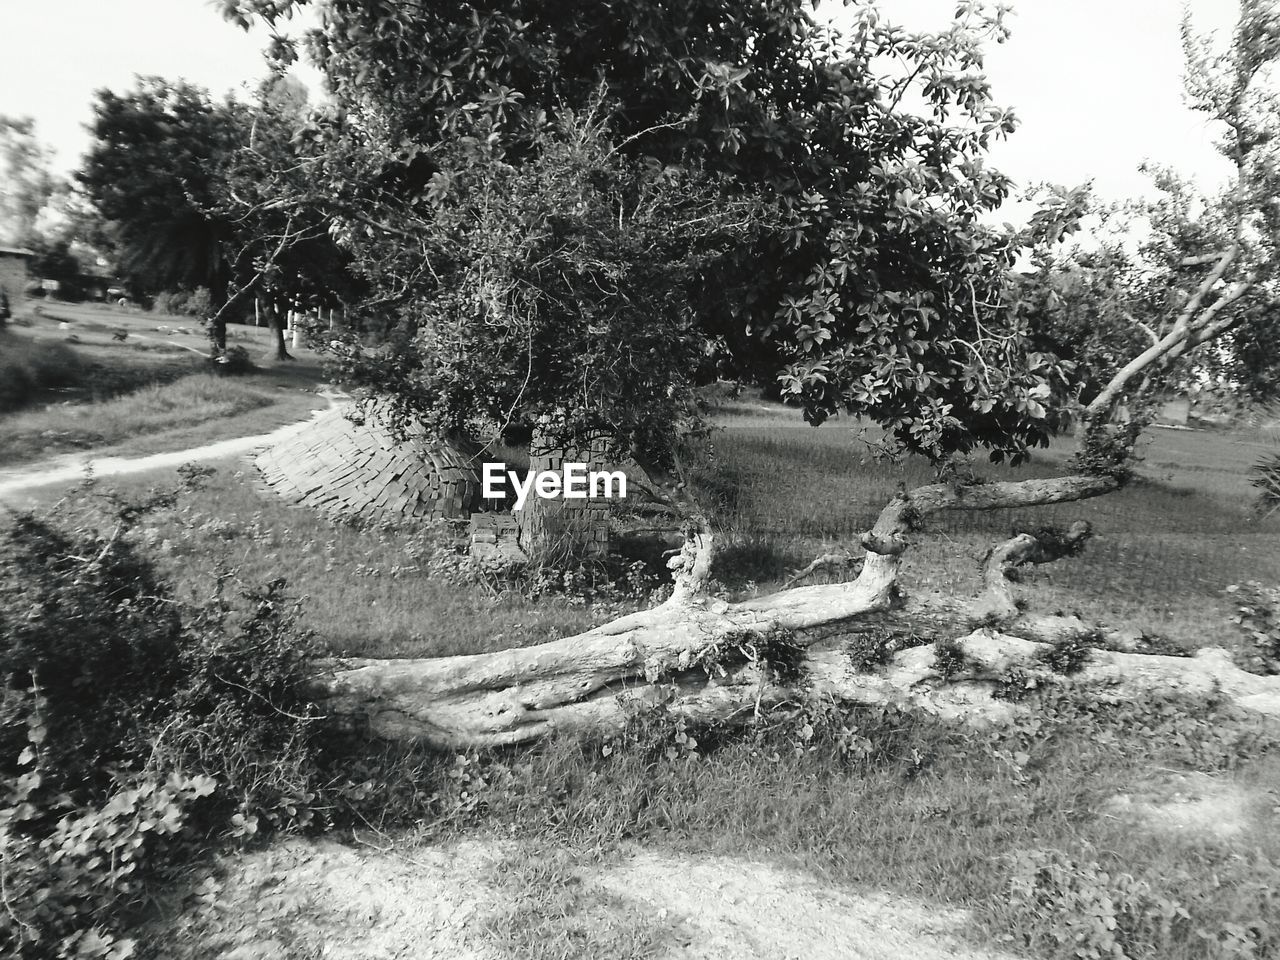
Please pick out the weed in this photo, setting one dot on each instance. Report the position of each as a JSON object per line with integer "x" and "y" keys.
{"x": 870, "y": 649}
{"x": 1069, "y": 654}
{"x": 948, "y": 657}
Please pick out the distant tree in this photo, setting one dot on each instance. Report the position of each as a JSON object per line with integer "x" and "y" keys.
{"x": 152, "y": 172}
{"x": 26, "y": 181}
{"x": 54, "y": 261}
{"x": 194, "y": 190}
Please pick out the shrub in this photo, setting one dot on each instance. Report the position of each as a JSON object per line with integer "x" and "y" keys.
{"x": 1265, "y": 475}
{"x": 1069, "y": 655}
{"x": 134, "y": 728}
{"x": 30, "y": 365}
{"x": 1257, "y": 613}
{"x": 199, "y": 303}
{"x": 1083, "y": 910}
{"x": 234, "y": 361}
{"x": 870, "y": 650}
{"x": 948, "y": 657}
{"x": 172, "y": 302}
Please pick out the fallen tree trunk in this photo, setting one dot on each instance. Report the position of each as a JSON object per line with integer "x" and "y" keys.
{"x": 708, "y": 660}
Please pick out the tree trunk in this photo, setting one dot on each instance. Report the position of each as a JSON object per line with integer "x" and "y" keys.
{"x": 705, "y": 659}
{"x": 276, "y": 322}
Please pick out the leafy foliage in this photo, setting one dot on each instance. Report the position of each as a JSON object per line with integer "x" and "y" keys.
{"x": 1070, "y": 654}
{"x": 948, "y": 657}
{"x": 557, "y": 292}
{"x": 133, "y": 728}
{"x": 1257, "y": 613}
{"x": 1266, "y": 477}
{"x": 880, "y": 293}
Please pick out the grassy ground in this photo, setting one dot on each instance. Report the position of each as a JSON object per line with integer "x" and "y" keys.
{"x": 194, "y": 409}
{"x": 1021, "y": 827}
{"x": 147, "y": 393}
{"x": 1164, "y": 548}
{"x": 1164, "y": 552}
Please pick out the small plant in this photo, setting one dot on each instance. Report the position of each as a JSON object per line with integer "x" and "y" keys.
{"x": 234, "y": 361}
{"x": 870, "y": 650}
{"x": 1070, "y": 905}
{"x": 1069, "y": 655}
{"x": 1257, "y": 613}
{"x": 1015, "y": 685}
{"x": 948, "y": 657}
{"x": 1265, "y": 475}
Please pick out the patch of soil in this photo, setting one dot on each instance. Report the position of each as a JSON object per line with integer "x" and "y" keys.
{"x": 302, "y": 899}
{"x": 738, "y": 910}
{"x": 1189, "y": 803}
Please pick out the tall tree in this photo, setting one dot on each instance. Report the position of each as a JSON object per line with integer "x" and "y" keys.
{"x": 192, "y": 189}
{"x": 881, "y": 294}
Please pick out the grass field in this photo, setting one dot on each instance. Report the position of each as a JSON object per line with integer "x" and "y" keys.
{"x": 1164, "y": 549}
{"x": 148, "y": 393}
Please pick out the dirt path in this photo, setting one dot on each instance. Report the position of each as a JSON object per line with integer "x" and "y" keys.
{"x": 298, "y": 900}
{"x": 73, "y": 466}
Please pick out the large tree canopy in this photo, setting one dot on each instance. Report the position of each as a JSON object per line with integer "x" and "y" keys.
{"x": 880, "y": 291}
{"x": 152, "y": 172}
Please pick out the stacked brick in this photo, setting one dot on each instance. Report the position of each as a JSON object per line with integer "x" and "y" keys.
{"x": 496, "y": 536}
{"x": 352, "y": 470}
{"x": 585, "y": 522}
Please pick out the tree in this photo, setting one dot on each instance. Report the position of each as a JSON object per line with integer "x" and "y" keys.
{"x": 152, "y": 172}
{"x": 26, "y": 183}
{"x": 192, "y": 190}
{"x": 881, "y": 293}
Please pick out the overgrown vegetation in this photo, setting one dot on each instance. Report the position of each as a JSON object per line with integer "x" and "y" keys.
{"x": 28, "y": 367}
{"x": 1257, "y": 613}
{"x": 134, "y": 729}
{"x": 1012, "y": 823}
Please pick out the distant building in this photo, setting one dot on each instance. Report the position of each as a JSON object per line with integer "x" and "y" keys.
{"x": 13, "y": 273}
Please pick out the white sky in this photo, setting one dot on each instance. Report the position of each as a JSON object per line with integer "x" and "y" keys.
{"x": 1096, "y": 83}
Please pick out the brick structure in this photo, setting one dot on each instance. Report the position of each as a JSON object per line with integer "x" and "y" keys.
{"x": 578, "y": 525}
{"x": 496, "y": 536}
{"x": 357, "y": 470}
{"x": 13, "y": 273}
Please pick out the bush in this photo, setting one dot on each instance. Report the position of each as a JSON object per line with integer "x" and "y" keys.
{"x": 1257, "y": 614}
{"x": 30, "y": 365}
{"x": 1265, "y": 475}
{"x": 135, "y": 729}
{"x": 172, "y": 302}
{"x": 235, "y": 361}
{"x": 196, "y": 303}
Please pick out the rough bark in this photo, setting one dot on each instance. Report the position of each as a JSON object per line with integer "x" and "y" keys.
{"x": 276, "y": 322}
{"x": 692, "y": 654}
